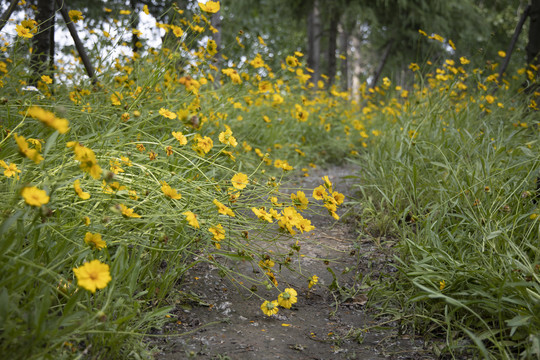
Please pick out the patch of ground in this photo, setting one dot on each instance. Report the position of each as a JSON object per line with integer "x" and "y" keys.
{"x": 217, "y": 319}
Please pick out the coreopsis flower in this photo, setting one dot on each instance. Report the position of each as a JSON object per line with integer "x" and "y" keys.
{"x": 338, "y": 197}
{"x": 319, "y": 193}
{"x": 292, "y": 61}
{"x": 203, "y": 145}
{"x": 115, "y": 166}
{"x": 211, "y": 47}
{"x": 414, "y": 67}
{"x": 442, "y": 285}
{"x": 222, "y": 209}
{"x": 152, "y": 155}
{"x": 226, "y": 138}
{"x": 304, "y": 225}
{"x": 192, "y": 219}
{"x": 46, "y": 79}
{"x": 127, "y": 212}
{"x": 258, "y": 62}
{"x": 501, "y": 53}
{"x": 77, "y": 186}
{"x": 25, "y": 149}
{"x": 10, "y": 170}
{"x": 24, "y": 32}
{"x": 167, "y": 113}
{"x": 301, "y": 114}
{"x": 262, "y": 214}
{"x": 170, "y": 192}
{"x": 299, "y": 200}
{"x": 218, "y": 234}
{"x": 177, "y": 31}
{"x": 233, "y": 74}
{"x": 94, "y": 240}
{"x": 210, "y": 6}
{"x": 93, "y": 275}
{"x": 87, "y": 159}
{"x": 270, "y": 308}
{"x": 312, "y": 281}
{"x": 240, "y": 181}
{"x": 75, "y": 15}
{"x": 327, "y": 183}
{"x": 287, "y": 298}
{"x": 34, "y": 196}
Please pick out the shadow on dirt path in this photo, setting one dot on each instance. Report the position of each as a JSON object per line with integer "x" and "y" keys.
{"x": 225, "y": 321}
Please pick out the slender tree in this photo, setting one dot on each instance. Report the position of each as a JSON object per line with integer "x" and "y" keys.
{"x": 314, "y": 40}
{"x": 43, "y": 40}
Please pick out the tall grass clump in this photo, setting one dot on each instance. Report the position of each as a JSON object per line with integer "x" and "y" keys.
{"x": 455, "y": 177}
{"x": 111, "y": 191}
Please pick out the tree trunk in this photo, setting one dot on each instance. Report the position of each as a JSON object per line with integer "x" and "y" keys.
{"x": 42, "y": 39}
{"x": 314, "y": 42}
{"x": 382, "y": 63}
{"x": 332, "y": 44}
{"x": 533, "y": 47}
{"x": 344, "y": 68}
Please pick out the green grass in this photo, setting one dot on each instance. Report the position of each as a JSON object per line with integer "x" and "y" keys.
{"x": 460, "y": 198}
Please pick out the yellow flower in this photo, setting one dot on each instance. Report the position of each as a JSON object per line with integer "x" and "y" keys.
{"x": 93, "y": 275}
{"x": 233, "y": 74}
{"x": 77, "y": 186}
{"x": 312, "y": 281}
{"x": 75, "y": 15}
{"x": 226, "y": 138}
{"x": 222, "y": 209}
{"x": 24, "y": 148}
{"x": 192, "y": 219}
{"x": 319, "y": 193}
{"x": 299, "y": 200}
{"x": 327, "y": 183}
{"x": 338, "y": 197}
{"x": 34, "y": 196}
{"x": 239, "y": 181}
{"x": 49, "y": 119}
{"x": 145, "y": 10}
{"x": 287, "y": 298}
{"x": 211, "y": 47}
{"x": 292, "y": 61}
{"x": 210, "y": 6}
{"x": 262, "y": 214}
{"x": 177, "y": 30}
{"x": 10, "y": 170}
{"x": 94, "y": 240}
{"x": 414, "y": 67}
{"x": 501, "y": 53}
{"x": 442, "y": 285}
{"x": 170, "y": 192}
{"x": 204, "y": 145}
{"x": 23, "y": 32}
{"x": 128, "y": 212}
{"x": 218, "y": 233}
{"x": 46, "y": 79}
{"x": 269, "y": 308}
{"x": 87, "y": 159}
{"x": 167, "y": 113}
{"x": 304, "y": 225}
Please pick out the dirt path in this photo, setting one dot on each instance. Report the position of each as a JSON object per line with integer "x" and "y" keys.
{"x": 322, "y": 325}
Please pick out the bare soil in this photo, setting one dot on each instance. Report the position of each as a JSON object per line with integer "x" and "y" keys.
{"x": 217, "y": 319}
